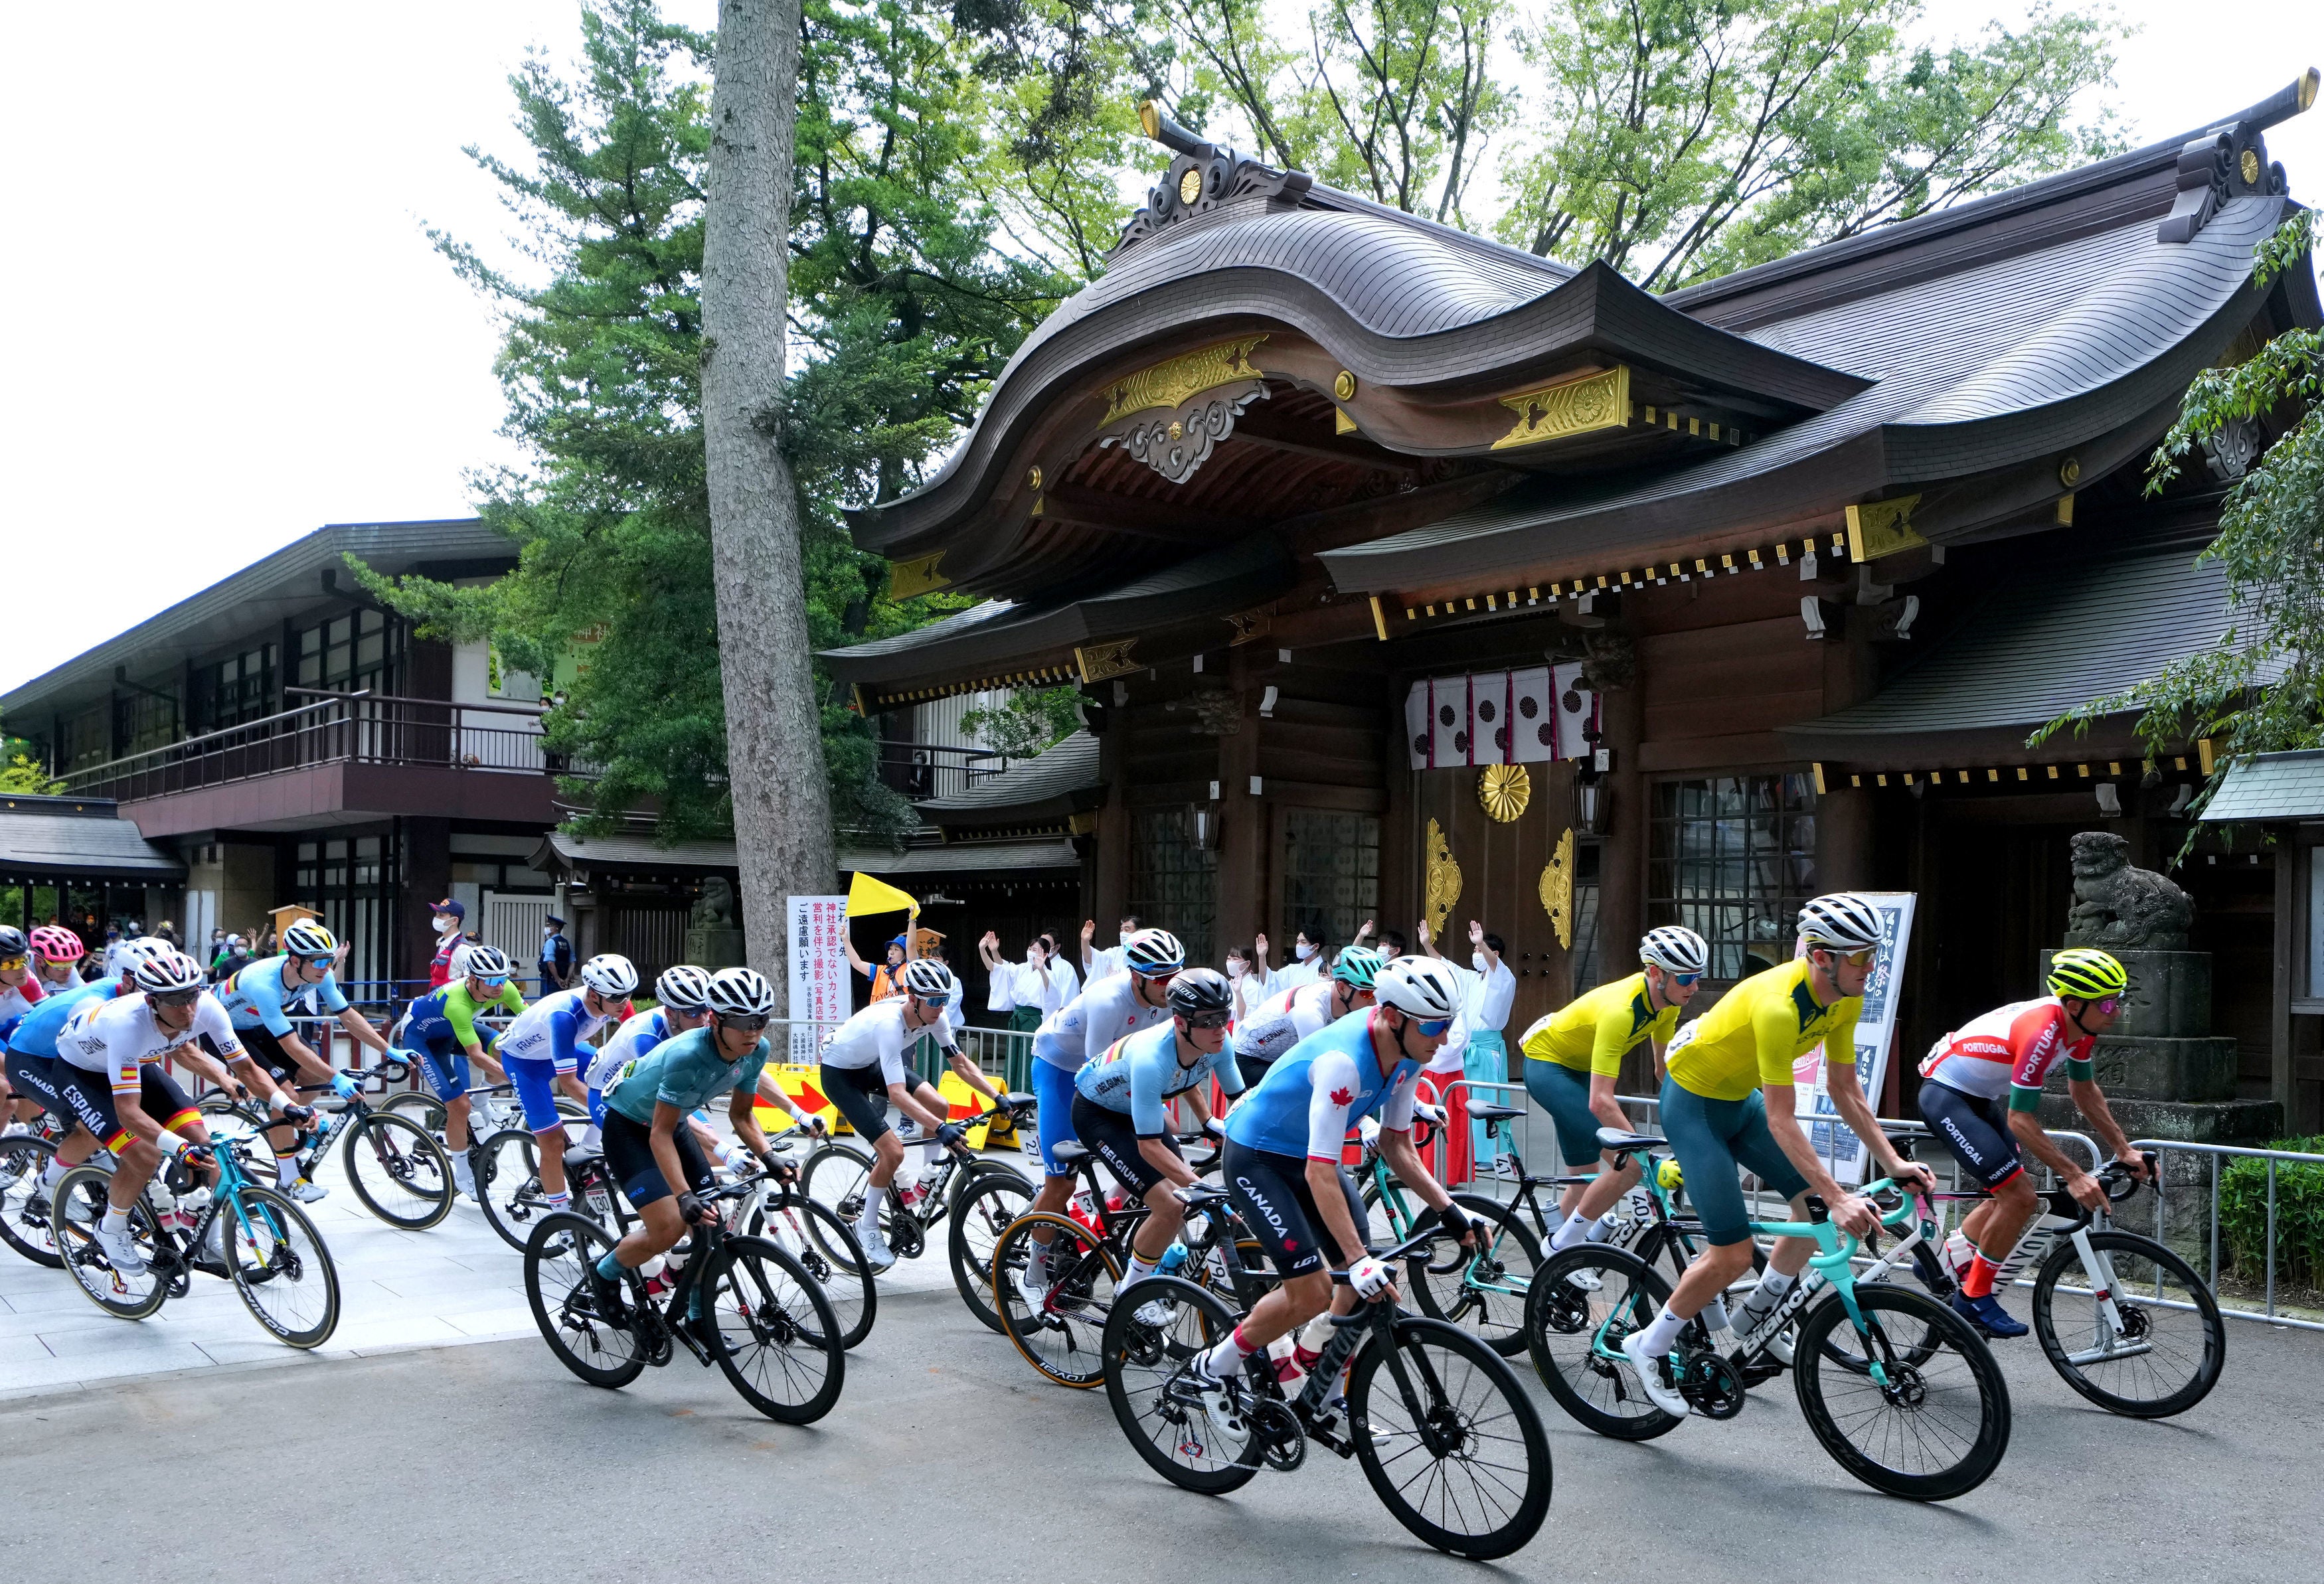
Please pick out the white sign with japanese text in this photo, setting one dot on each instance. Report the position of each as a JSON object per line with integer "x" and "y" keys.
{"x": 821, "y": 993}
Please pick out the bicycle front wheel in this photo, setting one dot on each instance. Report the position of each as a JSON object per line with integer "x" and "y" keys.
{"x": 778, "y": 1338}
{"x": 1928, "y": 1418}
{"x": 508, "y": 1184}
{"x": 593, "y": 1332}
{"x": 836, "y": 1175}
{"x": 1191, "y": 1441}
{"x": 79, "y": 1201}
{"x": 1449, "y": 1440}
{"x": 399, "y": 1171}
{"x": 1584, "y": 1301}
{"x": 1481, "y": 1291}
{"x": 24, "y": 1220}
{"x": 827, "y": 1250}
{"x": 1055, "y": 1322}
{"x": 280, "y": 1268}
{"x": 2139, "y": 1336}
{"x": 422, "y": 1107}
{"x": 980, "y": 1213}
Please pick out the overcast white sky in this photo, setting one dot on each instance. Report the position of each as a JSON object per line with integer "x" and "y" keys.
{"x": 231, "y": 330}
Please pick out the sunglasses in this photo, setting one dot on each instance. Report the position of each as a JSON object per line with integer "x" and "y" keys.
{"x": 748, "y": 1022}
{"x": 174, "y": 1000}
{"x": 498, "y": 983}
{"x": 1681, "y": 980}
{"x": 325, "y": 960}
{"x": 1864, "y": 958}
{"x": 2107, "y": 1008}
{"x": 11, "y": 961}
{"x": 1163, "y": 977}
{"x": 1433, "y": 1027}
{"x": 1209, "y": 1019}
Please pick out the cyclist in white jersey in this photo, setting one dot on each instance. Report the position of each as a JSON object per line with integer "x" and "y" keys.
{"x": 863, "y": 1073}
{"x": 1280, "y": 1021}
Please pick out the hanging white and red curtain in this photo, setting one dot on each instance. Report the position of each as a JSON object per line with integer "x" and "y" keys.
{"x": 1526, "y": 716}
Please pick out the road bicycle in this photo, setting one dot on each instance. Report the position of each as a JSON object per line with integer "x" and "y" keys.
{"x": 1484, "y": 1289}
{"x": 2122, "y": 1320}
{"x": 397, "y": 1168}
{"x": 25, "y": 1222}
{"x": 1443, "y": 1430}
{"x": 506, "y": 1170}
{"x": 1907, "y": 1399}
{"x": 813, "y": 1234}
{"x": 255, "y": 1236}
{"x": 739, "y": 1302}
{"x": 976, "y": 1196}
{"x": 1088, "y": 1251}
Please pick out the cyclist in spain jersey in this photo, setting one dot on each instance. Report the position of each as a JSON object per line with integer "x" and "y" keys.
{"x": 1727, "y": 1104}
{"x": 1120, "y": 1115}
{"x": 1284, "y": 1148}
{"x": 1981, "y": 1092}
{"x": 1278, "y": 1022}
{"x": 1574, "y": 1055}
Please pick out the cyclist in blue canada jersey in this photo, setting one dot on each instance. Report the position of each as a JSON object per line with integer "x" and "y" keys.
{"x": 545, "y": 1048}
{"x": 652, "y": 1154}
{"x": 1282, "y": 1163}
{"x": 1118, "y": 1113}
{"x": 261, "y": 998}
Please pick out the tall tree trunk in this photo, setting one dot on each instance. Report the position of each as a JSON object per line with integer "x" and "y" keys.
{"x": 774, "y": 746}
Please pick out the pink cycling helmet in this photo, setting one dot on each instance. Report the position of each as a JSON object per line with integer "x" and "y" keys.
{"x": 58, "y": 945}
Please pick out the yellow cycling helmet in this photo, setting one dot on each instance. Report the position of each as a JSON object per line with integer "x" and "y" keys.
{"x": 2087, "y": 974}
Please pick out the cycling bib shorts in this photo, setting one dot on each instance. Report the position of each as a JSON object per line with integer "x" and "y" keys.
{"x": 1713, "y": 1138}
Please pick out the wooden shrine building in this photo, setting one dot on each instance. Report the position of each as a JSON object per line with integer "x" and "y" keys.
{"x": 1404, "y": 573}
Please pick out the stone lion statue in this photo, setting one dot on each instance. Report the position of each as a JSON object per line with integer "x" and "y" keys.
{"x": 715, "y": 910}
{"x": 2119, "y": 908}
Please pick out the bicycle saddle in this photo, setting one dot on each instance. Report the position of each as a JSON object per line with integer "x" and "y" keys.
{"x": 1202, "y": 1195}
{"x": 1494, "y": 1113}
{"x": 579, "y": 1153}
{"x": 1070, "y": 1151}
{"x": 1015, "y": 1099}
{"x": 1614, "y": 1138}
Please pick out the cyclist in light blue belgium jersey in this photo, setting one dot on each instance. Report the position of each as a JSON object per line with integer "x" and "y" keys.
{"x": 1282, "y": 1163}
{"x": 1119, "y": 1114}
{"x": 543, "y": 1050}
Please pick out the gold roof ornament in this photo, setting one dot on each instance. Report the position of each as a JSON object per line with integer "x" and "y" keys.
{"x": 1503, "y": 790}
{"x": 1444, "y": 888}
{"x": 1557, "y": 891}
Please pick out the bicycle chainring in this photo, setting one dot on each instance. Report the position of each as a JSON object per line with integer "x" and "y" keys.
{"x": 1282, "y": 1443}
{"x": 1712, "y": 1387}
{"x": 906, "y": 1237}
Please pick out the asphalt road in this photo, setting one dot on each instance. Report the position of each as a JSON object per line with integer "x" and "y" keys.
{"x": 948, "y": 1461}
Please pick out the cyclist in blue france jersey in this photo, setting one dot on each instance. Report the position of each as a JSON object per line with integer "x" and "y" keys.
{"x": 1285, "y": 1140}
{"x": 261, "y": 998}
{"x": 863, "y": 1073}
{"x": 440, "y": 1028}
{"x": 1108, "y": 1007}
{"x": 1118, "y": 1113}
{"x": 650, "y": 1148}
{"x": 544, "y": 1049}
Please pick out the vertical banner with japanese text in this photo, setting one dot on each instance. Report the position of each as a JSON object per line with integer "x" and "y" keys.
{"x": 819, "y": 984}
{"x": 1876, "y": 1031}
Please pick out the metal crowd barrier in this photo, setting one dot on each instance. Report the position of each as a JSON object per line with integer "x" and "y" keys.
{"x": 2168, "y": 1218}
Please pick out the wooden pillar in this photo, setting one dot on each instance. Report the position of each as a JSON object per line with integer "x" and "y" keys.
{"x": 1243, "y": 848}
{"x": 1844, "y": 839}
{"x": 1623, "y": 817}
{"x": 2282, "y": 1067}
{"x": 1113, "y": 875}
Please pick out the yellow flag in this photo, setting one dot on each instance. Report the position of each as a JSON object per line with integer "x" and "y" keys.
{"x": 866, "y": 896}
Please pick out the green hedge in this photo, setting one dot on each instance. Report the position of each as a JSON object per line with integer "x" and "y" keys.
{"x": 2299, "y": 1215}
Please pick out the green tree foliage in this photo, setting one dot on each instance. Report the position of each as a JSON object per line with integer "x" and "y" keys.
{"x": 23, "y": 773}
{"x": 1030, "y": 719}
{"x": 2258, "y": 689}
{"x": 902, "y": 305}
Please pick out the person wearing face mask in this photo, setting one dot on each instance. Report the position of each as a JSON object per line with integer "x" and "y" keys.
{"x": 451, "y": 918}
{"x": 1249, "y": 985}
{"x": 1103, "y": 964}
{"x": 1309, "y": 961}
{"x": 555, "y": 956}
{"x": 1487, "y": 990}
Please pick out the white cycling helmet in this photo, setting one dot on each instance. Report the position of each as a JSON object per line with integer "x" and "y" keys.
{"x": 307, "y": 938}
{"x": 167, "y": 972}
{"x": 1841, "y": 922}
{"x": 1675, "y": 948}
{"x": 930, "y": 980}
{"x": 1418, "y": 987}
{"x": 1153, "y": 951}
{"x": 739, "y": 992}
{"x": 481, "y": 961}
{"x": 609, "y": 974}
{"x": 683, "y": 989}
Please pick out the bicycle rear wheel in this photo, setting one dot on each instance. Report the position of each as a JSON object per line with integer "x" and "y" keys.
{"x": 422, "y": 1107}
{"x": 777, "y": 1339}
{"x": 280, "y": 1268}
{"x": 601, "y": 1351}
{"x": 24, "y": 1223}
{"x": 242, "y": 1129}
{"x": 980, "y": 1213}
{"x": 1180, "y": 1439}
{"x": 79, "y": 1201}
{"x": 1935, "y": 1426}
{"x": 827, "y": 1251}
{"x": 1449, "y": 1440}
{"x": 508, "y": 1184}
{"x": 1060, "y": 1336}
{"x": 1482, "y": 1292}
{"x": 399, "y": 1171}
{"x": 1575, "y": 1334}
{"x": 2172, "y": 1344}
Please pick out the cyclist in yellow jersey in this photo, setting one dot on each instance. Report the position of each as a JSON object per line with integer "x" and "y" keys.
{"x": 1727, "y": 1104}
{"x": 1574, "y": 1054}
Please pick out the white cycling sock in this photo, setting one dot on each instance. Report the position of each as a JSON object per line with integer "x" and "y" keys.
{"x": 114, "y": 1221}
{"x": 54, "y": 1175}
{"x": 286, "y": 1171}
{"x": 1662, "y": 1331}
{"x": 559, "y": 1201}
{"x": 1575, "y": 1230}
{"x": 1226, "y": 1360}
{"x": 869, "y": 1222}
{"x": 1141, "y": 1268}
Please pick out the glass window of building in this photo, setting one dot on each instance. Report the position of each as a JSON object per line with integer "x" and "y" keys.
{"x": 1732, "y": 858}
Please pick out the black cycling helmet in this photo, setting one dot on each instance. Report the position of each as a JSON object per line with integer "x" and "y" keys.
{"x": 12, "y": 943}
{"x": 1200, "y": 989}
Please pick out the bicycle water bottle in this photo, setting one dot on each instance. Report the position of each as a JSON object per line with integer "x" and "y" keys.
{"x": 651, "y": 1273}
{"x": 1084, "y": 1209}
{"x": 1173, "y": 1260}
